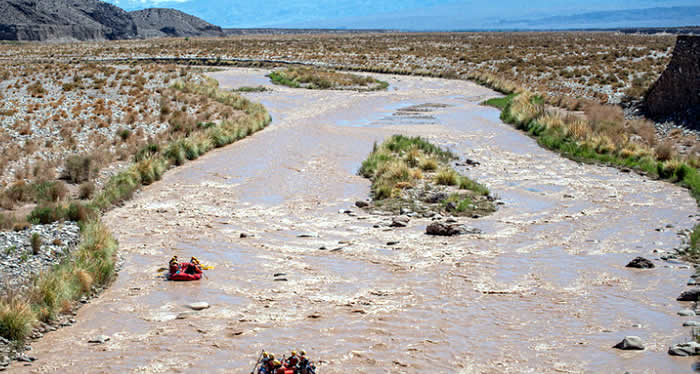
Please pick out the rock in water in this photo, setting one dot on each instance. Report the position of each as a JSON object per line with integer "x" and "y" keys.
{"x": 640, "y": 263}
{"x": 361, "y": 204}
{"x": 690, "y": 295}
{"x": 686, "y": 313}
{"x": 685, "y": 349}
{"x": 399, "y": 222}
{"x": 630, "y": 343}
{"x": 199, "y": 305}
{"x": 100, "y": 339}
{"x": 441, "y": 229}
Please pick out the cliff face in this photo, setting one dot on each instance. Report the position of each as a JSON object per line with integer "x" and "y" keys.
{"x": 678, "y": 88}
{"x": 159, "y": 22}
{"x": 64, "y": 20}
{"x": 94, "y": 20}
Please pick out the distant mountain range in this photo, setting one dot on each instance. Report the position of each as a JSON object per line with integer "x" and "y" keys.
{"x": 94, "y": 20}
{"x": 659, "y": 16}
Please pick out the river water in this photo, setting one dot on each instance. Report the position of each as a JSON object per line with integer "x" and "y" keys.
{"x": 542, "y": 290}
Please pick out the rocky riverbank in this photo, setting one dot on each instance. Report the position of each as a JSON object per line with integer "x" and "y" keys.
{"x": 20, "y": 261}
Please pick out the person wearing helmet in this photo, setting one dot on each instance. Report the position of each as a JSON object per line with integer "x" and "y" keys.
{"x": 263, "y": 363}
{"x": 192, "y": 267}
{"x": 277, "y": 367}
{"x": 293, "y": 360}
{"x": 174, "y": 266}
{"x": 305, "y": 365}
{"x": 269, "y": 365}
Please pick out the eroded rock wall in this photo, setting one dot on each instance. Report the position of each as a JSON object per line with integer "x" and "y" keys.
{"x": 678, "y": 88}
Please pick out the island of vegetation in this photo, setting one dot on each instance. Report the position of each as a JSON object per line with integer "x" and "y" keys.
{"x": 319, "y": 79}
{"x": 413, "y": 174}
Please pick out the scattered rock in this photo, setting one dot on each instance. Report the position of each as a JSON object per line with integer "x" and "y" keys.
{"x": 685, "y": 349}
{"x": 686, "y": 313}
{"x": 314, "y": 316}
{"x": 435, "y": 198}
{"x": 308, "y": 235}
{"x": 399, "y": 222}
{"x": 472, "y": 162}
{"x": 243, "y": 235}
{"x": 690, "y": 295}
{"x": 442, "y": 229}
{"x": 198, "y": 305}
{"x": 392, "y": 243}
{"x": 184, "y": 315}
{"x": 25, "y": 358}
{"x": 640, "y": 263}
{"x": 99, "y": 339}
{"x": 630, "y": 343}
{"x": 279, "y": 274}
{"x": 361, "y": 204}
{"x": 280, "y": 279}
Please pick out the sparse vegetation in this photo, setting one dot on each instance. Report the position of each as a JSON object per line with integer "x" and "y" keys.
{"x": 36, "y": 243}
{"x": 80, "y": 168}
{"x": 251, "y": 89}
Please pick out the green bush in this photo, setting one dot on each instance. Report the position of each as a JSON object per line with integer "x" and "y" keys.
{"x": 45, "y": 214}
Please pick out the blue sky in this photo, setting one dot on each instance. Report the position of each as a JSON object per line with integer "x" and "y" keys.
{"x": 433, "y": 14}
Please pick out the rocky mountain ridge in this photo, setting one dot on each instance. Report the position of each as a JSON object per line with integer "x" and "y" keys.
{"x": 67, "y": 20}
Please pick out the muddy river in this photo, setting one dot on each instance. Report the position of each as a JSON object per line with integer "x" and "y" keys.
{"x": 543, "y": 289}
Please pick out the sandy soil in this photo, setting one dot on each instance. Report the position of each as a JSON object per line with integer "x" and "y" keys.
{"x": 543, "y": 289}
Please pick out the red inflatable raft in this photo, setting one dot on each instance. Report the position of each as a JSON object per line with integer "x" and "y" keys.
{"x": 184, "y": 272}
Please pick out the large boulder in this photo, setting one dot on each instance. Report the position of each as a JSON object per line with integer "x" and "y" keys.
{"x": 640, "y": 263}
{"x": 630, "y": 343}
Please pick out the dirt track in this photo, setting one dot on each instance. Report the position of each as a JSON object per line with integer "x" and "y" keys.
{"x": 544, "y": 289}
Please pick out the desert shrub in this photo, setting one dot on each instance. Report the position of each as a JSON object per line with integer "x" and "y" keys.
{"x": 447, "y": 177}
{"x": 20, "y": 192}
{"x": 47, "y": 213}
{"x": 176, "y": 153}
{"x": 664, "y": 151}
{"x": 86, "y": 190}
{"x": 523, "y": 108}
{"x": 124, "y": 134}
{"x": 16, "y": 318}
{"x": 85, "y": 279}
{"x": 645, "y": 129}
{"x": 80, "y": 168}
{"x": 78, "y": 212}
{"x": 428, "y": 164}
{"x": 36, "y": 243}
{"x": 468, "y": 184}
{"x": 50, "y": 191}
{"x": 147, "y": 151}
